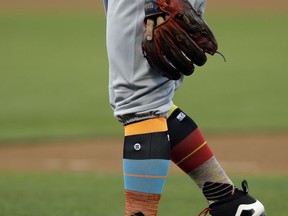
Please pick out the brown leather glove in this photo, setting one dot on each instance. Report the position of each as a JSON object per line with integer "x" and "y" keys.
{"x": 179, "y": 41}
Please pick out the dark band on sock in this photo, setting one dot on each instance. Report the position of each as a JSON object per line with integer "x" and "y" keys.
{"x": 181, "y": 125}
{"x": 147, "y": 146}
{"x": 216, "y": 191}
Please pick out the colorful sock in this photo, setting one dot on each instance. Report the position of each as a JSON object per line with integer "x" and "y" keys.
{"x": 190, "y": 152}
{"x": 146, "y": 162}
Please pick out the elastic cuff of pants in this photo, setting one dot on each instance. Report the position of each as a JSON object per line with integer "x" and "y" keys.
{"x": 133, "y": 118}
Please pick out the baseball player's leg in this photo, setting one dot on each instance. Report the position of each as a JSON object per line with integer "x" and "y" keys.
{"x": 146, "y": 164}
{"x": 191, "y": 153}
{"x": 136, "y": 91}
{"x": 140, "y": 98}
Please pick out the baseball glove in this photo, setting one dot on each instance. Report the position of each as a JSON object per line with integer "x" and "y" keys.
{"x": 180, "y": 41}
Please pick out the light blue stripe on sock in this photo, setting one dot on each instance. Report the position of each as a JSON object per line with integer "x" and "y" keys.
{"x": 154, "y": 173}
{"x": 155, "y": 167}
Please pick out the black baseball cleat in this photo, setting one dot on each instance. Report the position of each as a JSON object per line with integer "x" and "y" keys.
{"x": 239, "y": 204}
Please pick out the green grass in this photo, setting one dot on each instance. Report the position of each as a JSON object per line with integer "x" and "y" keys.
{"x": 71, "y": 194}
{"x": 54, "y": 76}
{"x": 54, "y": 84}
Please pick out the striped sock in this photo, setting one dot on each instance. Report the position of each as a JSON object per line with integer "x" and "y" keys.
{"x": 146, "y": 162}
{"x": 215, "y": 191}
{"x": 191, "y": 153}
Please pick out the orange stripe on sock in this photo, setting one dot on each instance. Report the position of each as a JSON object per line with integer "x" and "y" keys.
{"x": 143, "y": 176}
{"x": 146, "y": 126}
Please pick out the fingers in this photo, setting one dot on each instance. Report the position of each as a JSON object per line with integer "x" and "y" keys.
{"x": 150, "y": 26}
{"x": 149, "y": 29}
{"x": 160, "y": 20}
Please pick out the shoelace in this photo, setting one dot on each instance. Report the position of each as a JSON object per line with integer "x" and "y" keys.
{"x": 205, "y": 212}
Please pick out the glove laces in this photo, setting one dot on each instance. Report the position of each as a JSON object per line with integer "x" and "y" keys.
{"x": 205, "y": 212}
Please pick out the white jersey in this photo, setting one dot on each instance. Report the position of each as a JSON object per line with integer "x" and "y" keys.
{"x": 136, "y": 91}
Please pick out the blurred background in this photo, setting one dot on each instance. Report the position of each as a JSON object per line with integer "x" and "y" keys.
{"x": 53, "y": 69}
{"x": 55, "y": 114}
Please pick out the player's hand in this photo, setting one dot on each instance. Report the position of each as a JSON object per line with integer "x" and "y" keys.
{"x": 150, "y": 26}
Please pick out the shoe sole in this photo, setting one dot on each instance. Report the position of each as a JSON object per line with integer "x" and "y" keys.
{"x": 257, "y": 208}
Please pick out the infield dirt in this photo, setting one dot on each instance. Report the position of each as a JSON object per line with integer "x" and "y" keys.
{"x": 251, "y": 154}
